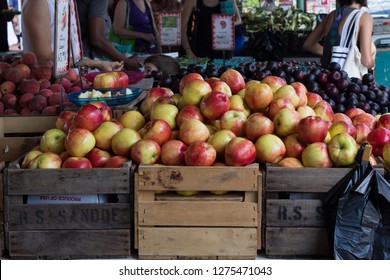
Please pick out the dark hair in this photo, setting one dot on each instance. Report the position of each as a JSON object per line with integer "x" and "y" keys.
{"x": 350, "y": 2}
{"x": 167, "y": 64}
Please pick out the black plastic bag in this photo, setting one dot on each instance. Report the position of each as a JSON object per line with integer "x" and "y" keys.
{"x": 357, "y": 212}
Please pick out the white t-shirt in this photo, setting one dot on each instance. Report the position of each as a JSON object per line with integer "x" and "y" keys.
{"x": 25, "y": 36}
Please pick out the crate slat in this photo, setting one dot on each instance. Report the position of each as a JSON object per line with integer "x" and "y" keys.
{"x": 183, "y": 213}
{"x": 285, "y": 241}
{"x": 198, "y": 242}
{"x": 69, "y": 216}
{"x": 204, "y": 179}
{"x": 67, "y": 244}
{"x": 296, "y": 212}
{"x": 67, "y": 181}
{"x": 12, "y": 148}
{"x": 26, "y": 124}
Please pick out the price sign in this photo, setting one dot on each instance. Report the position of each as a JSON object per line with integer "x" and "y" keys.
{"x": 169, "y": 29}
{"x": 75, "y": 36}
{"x": 222, "y": 32}
{"x": 61, "y": 38}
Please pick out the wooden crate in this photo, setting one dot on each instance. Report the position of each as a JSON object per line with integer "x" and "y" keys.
{"x": 294, "y": 216}
{"x": 203, "y": 226}
{"x": 26, "y": 125}
{"x": 67, "y": 231}
{"x": 12, "y": 148}
{"x": 2, "y": 229}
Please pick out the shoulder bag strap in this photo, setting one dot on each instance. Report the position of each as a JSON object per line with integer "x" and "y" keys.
{"x": 347, "y": 28}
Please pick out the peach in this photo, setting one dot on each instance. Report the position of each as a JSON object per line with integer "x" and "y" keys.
{"x": 1, "y": 107}
{"x": 9, "y": 101}
{"x": 26, "y": 71}
{"x": 56, "y": 88}
{"x": 25, "y": 111}
{"x": 66, "y": 84}
{"x": 31, "y": 86}
{"x": 46, "y": 93}
{"x": 7, "y": 87}
{"x": 13, "y": 74}
{"x": 73, "y": 75}
{"x": 9, "y": 112}
{"x": 74, "y": 89}
{"x": 37, "y": 103}
{"x": 25, "y": 99}
{"x": 50, "y": 110}
{"x": 43, "y": 72}
{"x": 44, "y": 83}
{"x": 55, "y": 99}
{"x": 3, "y": 66}
{"x": 29, "y": 58}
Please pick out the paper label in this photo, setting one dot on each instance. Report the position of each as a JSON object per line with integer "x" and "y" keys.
{"x": 61, "y": 38}
{"x": 169, "y": 29}
{"x": 222, "y": 32}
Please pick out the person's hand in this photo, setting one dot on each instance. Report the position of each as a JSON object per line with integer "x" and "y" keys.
{"x": 132, "y": 63}
{"x": 190, "y": 54}
{"x": 149, "y": 37}
{"x": 109, "y": 65}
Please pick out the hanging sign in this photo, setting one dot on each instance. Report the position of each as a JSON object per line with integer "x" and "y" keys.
{"x": 222, "y": 32}
{"x": 61, "y": 38}
{"x": 169, "y": 29}
{"x": 75, "y": 36}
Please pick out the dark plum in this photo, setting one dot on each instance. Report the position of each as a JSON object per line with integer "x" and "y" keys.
{"x": 334, "y": 76}
{"x": 351, "y": 102}
{"x": 362, "y": 97}
{"x": 287, "y": 68}
{"x": 166, "y": 81}
{"x": 375, "y": 106}
{"x": 384, "y": 110}
{"x": 212, "y": 70}
{"x": 272, "y": 65}
{"x": 351, "y": 95}
{"x": 222, "y": 69}
{"x": 332, "y": 91}
{"x": 363, "y": 88}
{"x": 344, "y": 74}
{"x": 332, "y": 104}
{"x": 250, "y": 69}
{"x": 289, "y": 79}
{"x": 182, "y": 72}
{"x": 370, "y": 95}
{"x": 373, "y": 112}
{"x": 279, "y": 72}
{"x": 334, "y": 66}
{"x": 342, "y": 84}
{"x": 313, "y": 87}
{"x": 315, "y": 71}
{"x": 367, "y": 78}
{"x": 340, "y": 99}
{"x": 261, "y": 75}
{"x": 299, "y": 75}
{"x": 239, "y": 68}
{"x": 339, "y": 108}
{"x": 322, "y": 78}
{"x": 353, "y": 87}
{"x": 310, "y": 77}
{"x": 199, "y": 69}
{"x": 157, "y": 75}
{"x": 191, "y": 67}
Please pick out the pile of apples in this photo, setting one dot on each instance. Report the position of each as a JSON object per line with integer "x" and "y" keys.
{"x": 217, "y": 121}
{"x": 29, "y": 88}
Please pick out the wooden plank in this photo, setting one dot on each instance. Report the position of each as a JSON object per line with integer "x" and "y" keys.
{"x": 302, "y": 180}
{"x": 294, "y": 213}
{"x": 203, "y": 178}
{"x": 283, "y": 241}
{"x": 12, "y": 148}
{"x": 68, "y": 181}
{"x": 69, "y": 216}
{"x": 202, "y": 196}
{"x": 219, "y": 242}
{"x": 59, "y": 243}
{"x": 26, "y": 124}
{"x": 196, "y": 213}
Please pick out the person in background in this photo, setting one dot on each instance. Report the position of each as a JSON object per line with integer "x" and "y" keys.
{"x": 95, "y": 24}
{"x": 4, "y": 19}
{"x": 14, "y": 5}
{"x": 167, "y": 64}
{"x": 38, "y": 35}
{"x": 198, "y": 43}
{"x": 138, "y": 15}
{"x": 329, "y": 33}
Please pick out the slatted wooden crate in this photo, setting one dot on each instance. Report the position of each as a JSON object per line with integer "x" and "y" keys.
{"x": 26, "y": 125}
{"x": 67, "y": 231}
{"x": 203, "y": 226}
{"x": 294, "y": 216}
{"x": 2, "y": 229}
{"x": 12, "y": 148}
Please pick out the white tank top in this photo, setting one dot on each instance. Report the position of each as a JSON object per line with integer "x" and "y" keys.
{"x": 26, "y": 37}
